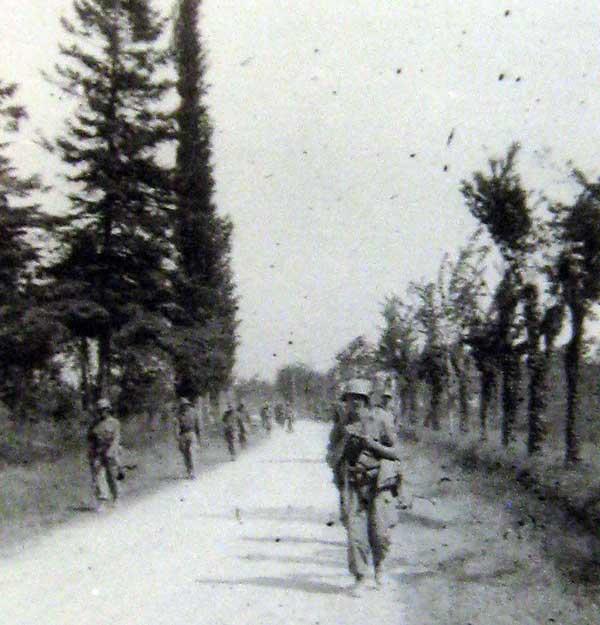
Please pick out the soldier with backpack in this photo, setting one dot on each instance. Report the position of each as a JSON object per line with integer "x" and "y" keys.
{"x": 366, "y": 452}
{"x": 188, "y": 432}
{"x": 104, "y": 439}
{"x": 229, "y": 422}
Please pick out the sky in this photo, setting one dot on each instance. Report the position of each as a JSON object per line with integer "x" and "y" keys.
{"x": 331, "y": 148}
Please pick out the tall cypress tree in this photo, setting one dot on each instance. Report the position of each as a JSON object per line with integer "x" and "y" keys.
{"x": 207, "y": 328}
{"x": 116, "y": 235}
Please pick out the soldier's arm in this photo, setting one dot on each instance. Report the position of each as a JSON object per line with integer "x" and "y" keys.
{"x": 197, "y": 427}
{"x": 388, "y": 447}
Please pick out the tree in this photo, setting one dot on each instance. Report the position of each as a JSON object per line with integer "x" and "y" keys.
{"x": 577, "y": 277}
{"x": 500, "y": 203}
{"x": 463, "y": 292}
{"x": 115, "y": 238}
{"x": 433, "y": 360}
{"x": 396, "y": 350}
{"x": 205, "y": 287}
{"x": 541, "y": 326}
{"x": 356, "y": 360}
{"x": 28, "y": 333}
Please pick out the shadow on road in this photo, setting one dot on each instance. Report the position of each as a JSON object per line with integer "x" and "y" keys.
{"x": 407, "y": 518}
{"x": 285, "y": 514}
{"x": 294, "y": 461}
{"x": 297, "y": 540}
{"x": 300, "y": 583}
{"x": 260, "y": 557}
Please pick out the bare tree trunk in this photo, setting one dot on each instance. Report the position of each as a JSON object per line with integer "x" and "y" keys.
{"x": 104, "y": 356}
{"x": 487, "y": 385}
{"x": 511, "y": 377}
{"x": 84, "y": 372}
{"x": 459, "y": 365}
{"x": 572, "y": 359}
{"x": 435, "y": 404}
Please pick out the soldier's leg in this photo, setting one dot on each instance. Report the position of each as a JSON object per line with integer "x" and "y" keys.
{"x": 112, "y": 470}
{"x": 189, "y": 465}
{"x": 96, "y": 469}
{"x": 242, "y": 436}
{"x": 230, "y": 443}
{"x": 382, "y": 516}
{"x": 356, "y": 528}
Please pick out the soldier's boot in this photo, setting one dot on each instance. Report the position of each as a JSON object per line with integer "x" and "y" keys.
{"x": 381, "y": 579}
{"x": 359, "y": 587}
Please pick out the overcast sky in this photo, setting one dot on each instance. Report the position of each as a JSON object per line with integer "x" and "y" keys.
{"x": 332, "y": 120}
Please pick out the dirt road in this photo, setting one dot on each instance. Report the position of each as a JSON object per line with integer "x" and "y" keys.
{"x": 251, "y": 542}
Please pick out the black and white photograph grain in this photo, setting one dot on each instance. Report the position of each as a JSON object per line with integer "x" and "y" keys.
{"x": 300, "y": 312}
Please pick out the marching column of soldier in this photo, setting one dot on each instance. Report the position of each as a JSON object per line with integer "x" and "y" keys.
{"x": 363, "y": 453}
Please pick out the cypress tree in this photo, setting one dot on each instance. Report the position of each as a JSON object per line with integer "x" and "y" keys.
{"x": 206, "y": 338}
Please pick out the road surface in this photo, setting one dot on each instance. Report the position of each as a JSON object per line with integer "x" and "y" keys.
{"x": 252, "y": 543}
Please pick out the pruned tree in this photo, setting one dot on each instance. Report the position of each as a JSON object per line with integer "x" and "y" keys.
{"x": 500, "y": 203}
{"x": 396, "y": 350}
{"x": 356, "y": 360}
{"x": 576, "y": 230}
{"x": 463, "y": 296}
{"x": 433, "y": 358}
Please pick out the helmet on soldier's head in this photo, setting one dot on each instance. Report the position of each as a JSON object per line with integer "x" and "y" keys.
{"x": 103, "y": 404}
{"x": 185, "y": 401}
{"x": 358, "y": 386}
{"x": 387, "y": 392}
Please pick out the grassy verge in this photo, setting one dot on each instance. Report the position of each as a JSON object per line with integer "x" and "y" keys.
{"x": 563, "y": 503}
{"x": 53, "y": 487}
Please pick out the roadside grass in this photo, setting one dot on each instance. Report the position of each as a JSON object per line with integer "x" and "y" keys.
{"x": 544, "y": 475}
{"x": 562, "y": 502}
{"x": 45, "y": 485}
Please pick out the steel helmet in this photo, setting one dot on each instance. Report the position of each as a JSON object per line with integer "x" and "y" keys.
{"x": 387, "y": 392}
{"x": 186, "y": 401}
{"x": 358, "y": 386}
{"x": 104, "y": 404}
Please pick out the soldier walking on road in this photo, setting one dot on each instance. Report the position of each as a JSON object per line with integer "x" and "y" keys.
{"x": 104, "y": 440}
{"x": 369, "y": 453}
{"x": 242, "y": 420}
{"x": 279, "y": 414}
{"x": 229, "y": 421}
{"x": 188, "y": 433}
{"x": 266, "y": 417}
{"x": 289, "y": 416}
{"x": 338, "y": 412}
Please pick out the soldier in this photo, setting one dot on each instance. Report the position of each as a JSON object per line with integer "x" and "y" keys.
{"x": 242, "y": 420}
{"x": 289, "y": 416}
{"x": 338, "y": 412}
{"x": 279, "y": 414}
{"x": 187, "y": 426}
{"x": 369, "y": 453}
{"x": 229, "y": 419}
{"x": 104, "y": 435}
{"x": 266, "y": 417}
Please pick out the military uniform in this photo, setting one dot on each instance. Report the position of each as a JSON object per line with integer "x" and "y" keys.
{"x": 104, "y": 440}
{"x": 334, "y": 452}
{"x": 229, "y": 419}
{"x": 289, "y": 417}
{"x": 242, "y": 419}
{"x": 368, "y": 451}
{"x": 266, "y": 417}
{"x": 188, "y": 433}
{"x": 280, "y": 414}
